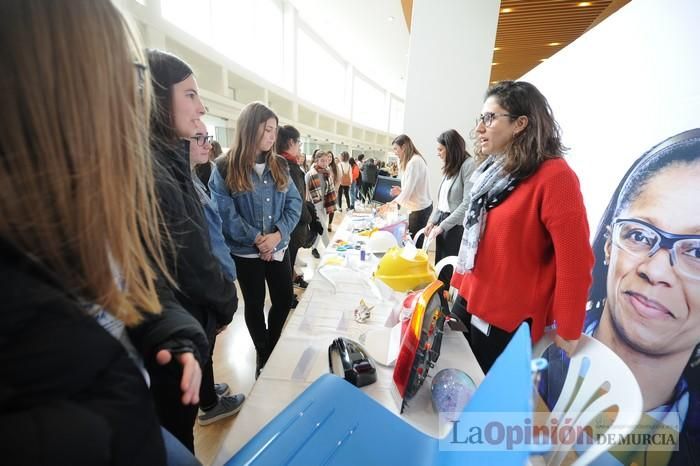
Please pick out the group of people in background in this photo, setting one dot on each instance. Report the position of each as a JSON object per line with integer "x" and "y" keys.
{"x": 124, "y": 227}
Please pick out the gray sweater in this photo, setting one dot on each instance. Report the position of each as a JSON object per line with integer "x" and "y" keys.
{"x": 458, "y": 197}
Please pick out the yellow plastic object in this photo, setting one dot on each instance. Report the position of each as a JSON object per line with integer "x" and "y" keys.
{"x": 368, "y": 232}
{"x": 402, "y": 274}
{"x": 332, "y": 260}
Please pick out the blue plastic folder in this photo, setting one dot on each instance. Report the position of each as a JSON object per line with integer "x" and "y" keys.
{"x": 334, "y": 423}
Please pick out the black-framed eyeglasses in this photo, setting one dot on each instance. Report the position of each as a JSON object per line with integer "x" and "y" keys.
{"x": 488, "y": 117}
{"x": 202, "y": 139}
{"x": 140, "y": 77}
{"x": 640, "y": 238}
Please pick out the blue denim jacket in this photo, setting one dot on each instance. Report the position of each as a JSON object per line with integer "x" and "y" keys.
{"x": 249, "y": 213}
{"x": 216, "y": 237}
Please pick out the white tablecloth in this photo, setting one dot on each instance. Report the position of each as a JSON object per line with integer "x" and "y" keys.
{"x": 301, "y": 355}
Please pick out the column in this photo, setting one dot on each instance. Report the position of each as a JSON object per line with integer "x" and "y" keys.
{"x": 451, "y": 49}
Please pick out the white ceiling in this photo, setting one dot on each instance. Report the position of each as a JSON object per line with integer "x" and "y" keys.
{"x": 361, "y": 33}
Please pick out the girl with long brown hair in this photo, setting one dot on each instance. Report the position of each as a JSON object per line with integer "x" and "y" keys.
{"x": 81, "y": 260}
{"x": 414, "y": 193}
{"x": 259, "y": 206}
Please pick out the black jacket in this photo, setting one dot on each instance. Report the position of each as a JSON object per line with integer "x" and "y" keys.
{"x": 202, "y": 288}
{"x": 299, "y": 234}
{"x": 69, "y": 393}
{"x": 369, "y": 173}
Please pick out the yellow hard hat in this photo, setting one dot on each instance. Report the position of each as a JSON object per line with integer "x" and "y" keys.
{"x": 401, "y": 273}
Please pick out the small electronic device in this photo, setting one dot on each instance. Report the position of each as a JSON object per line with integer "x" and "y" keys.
{"x": 382, "y": 189}
{"x": 357, "y": 366}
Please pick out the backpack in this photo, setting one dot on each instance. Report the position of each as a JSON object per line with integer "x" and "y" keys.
{"x": 345, "y": 177}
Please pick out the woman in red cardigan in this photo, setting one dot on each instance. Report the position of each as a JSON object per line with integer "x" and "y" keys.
{"x": 525, "y": 254}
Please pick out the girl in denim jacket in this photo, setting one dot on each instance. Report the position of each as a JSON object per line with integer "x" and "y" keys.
{"x": 259, "y": 208}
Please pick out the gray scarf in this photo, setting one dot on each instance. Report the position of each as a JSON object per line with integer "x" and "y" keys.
{"x": 491, "y": 186}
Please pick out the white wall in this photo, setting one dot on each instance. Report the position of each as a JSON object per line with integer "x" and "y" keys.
{"x": 621, "y": 88}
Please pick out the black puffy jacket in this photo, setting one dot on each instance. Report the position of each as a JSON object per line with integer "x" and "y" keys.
{"x": 202, "y": 288}
{"x": 69, "y": 393}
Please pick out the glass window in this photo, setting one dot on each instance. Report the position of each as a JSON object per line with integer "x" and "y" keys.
{"x": 194, "y": 20}
{"x": 320, "y": 75}
{"x": 249, "y": 33}
{"x": 396, "y": 116}
{"x": 369, "y": 104}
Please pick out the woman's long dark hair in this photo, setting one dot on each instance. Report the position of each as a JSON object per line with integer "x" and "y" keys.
{"x": 166, "y": 71}
{"x": 683, "y": 148}
{"x": 285, "y": 135}
{"x": 456, "y": 152}
{"x": 333, "y": 166}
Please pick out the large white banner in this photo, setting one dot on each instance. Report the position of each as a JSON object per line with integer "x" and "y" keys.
{"x": 627, "y": 96}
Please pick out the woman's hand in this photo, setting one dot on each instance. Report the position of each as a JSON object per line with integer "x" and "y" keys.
{"x": 191, "y": 374}
{"x": 386, "y": 208}
{"x": 428, "y": 228}
{"x": 434, "y": 232}
{"x": 267, "y": 243}
{"x": 395, "y": 191}
{"x": 569, "y": 346}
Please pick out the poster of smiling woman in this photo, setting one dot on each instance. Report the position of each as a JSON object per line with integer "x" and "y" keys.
{"x": 644, "y": 303}
{"x": 626, "y": 97}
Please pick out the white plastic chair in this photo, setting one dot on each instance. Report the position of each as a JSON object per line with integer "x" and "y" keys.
{"x": 426, "y": 239}
{"x": 605, "y": 371}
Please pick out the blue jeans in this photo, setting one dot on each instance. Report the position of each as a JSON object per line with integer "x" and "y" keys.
{"x": 176, "y": 453}
{"x": 354, "y": 194}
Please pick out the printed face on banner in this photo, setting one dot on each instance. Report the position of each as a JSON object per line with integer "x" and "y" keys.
{"x": 654, "y": 302}
{"x": 644, "y": 302}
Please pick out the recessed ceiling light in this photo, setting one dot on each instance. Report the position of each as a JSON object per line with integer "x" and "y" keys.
{"x": 390, "y": 18}
{"x": 506, "y": 10}
{"x": 496, "y": 49}
{"x": 494, "y": 64}
{"x": 554, "y": 44}
{"x": 584, "y": 3}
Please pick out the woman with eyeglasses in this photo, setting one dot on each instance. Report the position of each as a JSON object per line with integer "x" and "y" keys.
{"x": 645, "y": 299}
{"x": 259, "y": 206}
{"x": 203, "y": 169}
{"x": 200, "y": 150}
{"x": 202, "y": 288}
{"x": 82, "y": 263}
{"x": 525, "y": 255}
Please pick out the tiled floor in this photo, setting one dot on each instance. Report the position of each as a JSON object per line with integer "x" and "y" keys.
{"x": 234, "y": 363}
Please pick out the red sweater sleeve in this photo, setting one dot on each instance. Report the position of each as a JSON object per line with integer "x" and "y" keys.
{"x": 564, "y": 216}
